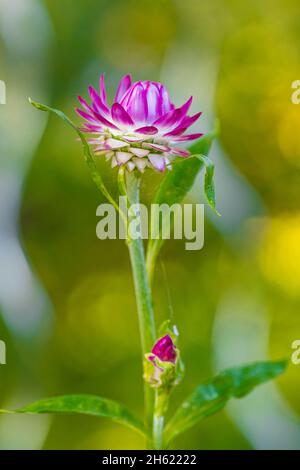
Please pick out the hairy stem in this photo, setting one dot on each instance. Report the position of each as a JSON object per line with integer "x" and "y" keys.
{"x": 130, "y": 187}
{"x": 160, "y": 409}
{"x": 151, "y": 262}
{"x": 143, "y": 295}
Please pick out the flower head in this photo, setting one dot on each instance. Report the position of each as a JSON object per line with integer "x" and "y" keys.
{"x": 141, "y": 127}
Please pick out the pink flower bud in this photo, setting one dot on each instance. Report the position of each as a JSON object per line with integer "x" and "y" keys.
{"x": 164, "y": 349}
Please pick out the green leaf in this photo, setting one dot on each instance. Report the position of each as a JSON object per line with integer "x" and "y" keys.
{"x": 209, "y": 186}
{"x": 83, "y": 404}
{"x": 178, "y": 182}
{"x": 86, "y": 149}
{"x": 211, "y": 396}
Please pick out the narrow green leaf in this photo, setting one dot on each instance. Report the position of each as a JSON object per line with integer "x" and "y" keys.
{"x": 83, "y": 404}
{"x": 212, "y": 395}
{"x": 86, "y": 149}
{"x": 178, "y": 182}
{"x": 209, "y": 186}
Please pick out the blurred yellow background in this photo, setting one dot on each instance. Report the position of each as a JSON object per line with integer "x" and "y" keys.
{"x": 67, "y": 304}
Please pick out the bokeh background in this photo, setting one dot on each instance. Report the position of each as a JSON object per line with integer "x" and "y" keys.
{"x": 67, "y": 305}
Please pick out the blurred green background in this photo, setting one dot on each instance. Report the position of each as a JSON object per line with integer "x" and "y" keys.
{"x": 67, "y": 304}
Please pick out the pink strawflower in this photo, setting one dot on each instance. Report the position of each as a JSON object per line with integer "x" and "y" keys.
{"x": 140, "y": 128}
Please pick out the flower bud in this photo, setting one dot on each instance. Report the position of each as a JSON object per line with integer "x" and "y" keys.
{"x": 164, "y": 349}
{"x": 163, "y": 367}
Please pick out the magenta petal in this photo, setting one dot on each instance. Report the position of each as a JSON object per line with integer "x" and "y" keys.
{"x": 186, "y": 106}
{"x": 84, "y": 104}
{"x": 123, "y": 87}
{"x": 165, "y": 349}
{"x": 86, "y": 116}
{"x": 184, "y": 138}
{"x": 146, "y": 102}
{"x": 135, "y": 103}
{"x": 93, "y": 128}
{"x": 161, "y": 344}
{"x": 120, "y": 116}
{"x": 169, "y": 119}
{"x": 102, "y": 90}
{"x": 151, "y": 357}
{"x": 160, "y": 106}
{"x": 87, "y": 131}
{"x": 166, "y": 104}
{"x": 149, "y": 130}
{"x": 99, "y": 106}
{"x": 104, "y": 121}
{"x": 179, "y": 152}
{"x": 158, "y": 147}
{"x": 154, "y": 102}
{"x": 187, "y": 121}
{"x": 178, "y": 131}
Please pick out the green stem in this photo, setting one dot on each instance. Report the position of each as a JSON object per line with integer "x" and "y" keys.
{"x": 143, "y": 294}
{"x": 151, "y": 261}
{"x": 160, "y": 409}
{"x": 131, "y": 189}
{"x": 145, "y": 315}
